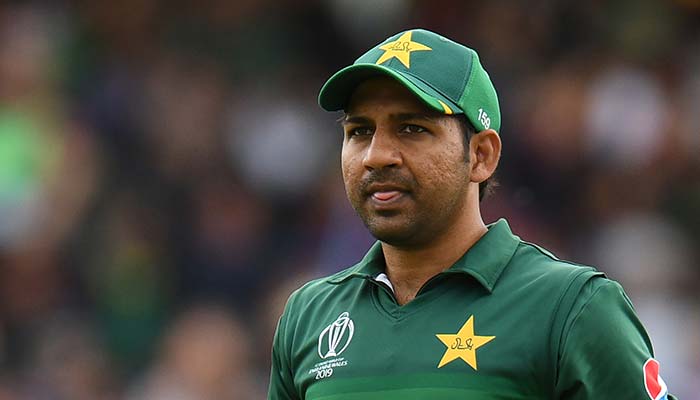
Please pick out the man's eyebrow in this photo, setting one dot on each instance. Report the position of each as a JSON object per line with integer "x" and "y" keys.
{"x": 413, "y": 116}
{"x": 350, "y": 119}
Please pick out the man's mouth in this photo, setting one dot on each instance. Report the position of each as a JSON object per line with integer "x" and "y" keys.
{"x": 386, "y": 196}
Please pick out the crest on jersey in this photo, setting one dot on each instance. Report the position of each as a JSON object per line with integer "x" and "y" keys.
{"x": 336, "y": 337}
{"x": 655, "y": 386}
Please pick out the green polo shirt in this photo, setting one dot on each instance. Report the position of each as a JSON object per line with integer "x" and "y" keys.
{"x": 507, "y": 321}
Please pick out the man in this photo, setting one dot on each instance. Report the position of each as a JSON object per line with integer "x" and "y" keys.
{"x": 444, "y": 306}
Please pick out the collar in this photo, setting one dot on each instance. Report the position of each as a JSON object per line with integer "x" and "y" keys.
{"x": 484, "y": 261}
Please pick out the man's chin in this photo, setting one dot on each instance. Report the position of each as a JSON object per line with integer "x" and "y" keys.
{"x": 393, "y": 234}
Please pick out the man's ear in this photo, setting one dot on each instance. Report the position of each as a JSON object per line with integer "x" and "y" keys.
{"x": 485, "y": 152}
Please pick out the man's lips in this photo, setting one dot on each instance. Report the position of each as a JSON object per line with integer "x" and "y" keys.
{"x": 383, "y": 191}
{"x": 386, "y": 195}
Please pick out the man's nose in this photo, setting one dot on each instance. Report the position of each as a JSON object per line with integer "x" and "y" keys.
{"x": 382, "y": 152}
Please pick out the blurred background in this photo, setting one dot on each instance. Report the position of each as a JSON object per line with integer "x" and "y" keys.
{"x": 167, "y": 179}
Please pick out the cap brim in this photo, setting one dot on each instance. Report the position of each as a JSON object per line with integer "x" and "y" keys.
{"x": 335, "y": 93}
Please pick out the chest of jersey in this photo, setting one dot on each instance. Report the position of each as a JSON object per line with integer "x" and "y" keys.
{"x": 453, "y": 341}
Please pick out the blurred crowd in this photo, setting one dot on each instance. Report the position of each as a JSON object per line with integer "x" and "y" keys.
{"x": 167, "y": 179}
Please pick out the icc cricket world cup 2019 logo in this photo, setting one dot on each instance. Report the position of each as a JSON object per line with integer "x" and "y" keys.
{"x": 336, "y": 337}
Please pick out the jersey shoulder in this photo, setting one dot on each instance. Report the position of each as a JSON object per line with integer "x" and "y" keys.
{"x": 532, "y": 262}
{"x": 565, "y": 284}
{"x": 324, "y": 287}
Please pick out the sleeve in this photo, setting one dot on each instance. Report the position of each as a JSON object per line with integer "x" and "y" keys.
{"x": 281, "y": 375}
{"x": 605, "y": 352}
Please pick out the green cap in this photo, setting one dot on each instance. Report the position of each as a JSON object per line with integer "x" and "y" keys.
{"x": 444, "y": 74}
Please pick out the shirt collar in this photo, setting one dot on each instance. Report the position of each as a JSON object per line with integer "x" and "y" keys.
{"x": 484, "y": 261}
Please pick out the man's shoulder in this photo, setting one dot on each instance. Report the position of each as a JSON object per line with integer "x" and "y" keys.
{"x": 534, "y": 263}
{"x": 325, "y": 285}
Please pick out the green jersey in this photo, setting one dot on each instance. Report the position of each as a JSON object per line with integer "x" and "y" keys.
{"x": 507, "y": 321}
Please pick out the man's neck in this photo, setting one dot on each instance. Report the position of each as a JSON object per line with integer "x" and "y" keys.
{"x": 409, "y": 269}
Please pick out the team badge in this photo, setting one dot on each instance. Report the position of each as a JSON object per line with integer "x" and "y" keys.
{"x": 462, "y": 344}
{"x": 336, "y": 337}
{"x": 655, "y": 386}
{"x": 401, "y": 49}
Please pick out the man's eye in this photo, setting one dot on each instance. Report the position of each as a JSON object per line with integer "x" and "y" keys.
{"x": 359, "y": 131}
{"x": 413, "y": 129}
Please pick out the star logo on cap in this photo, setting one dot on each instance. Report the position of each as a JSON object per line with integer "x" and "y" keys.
{"x": 401, "y": 49}
{"x": 462, "y": 344}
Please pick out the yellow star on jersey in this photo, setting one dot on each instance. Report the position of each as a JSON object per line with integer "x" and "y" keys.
{"x": 401, "y": 49}
{"x": 463, "y": 344}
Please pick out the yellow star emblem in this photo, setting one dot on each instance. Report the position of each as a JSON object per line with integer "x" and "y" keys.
{"x": 463, "y": 344}
{"x": 401, "y": 49}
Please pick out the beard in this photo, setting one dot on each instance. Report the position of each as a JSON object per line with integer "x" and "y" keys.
{"x": 425, "y": 212}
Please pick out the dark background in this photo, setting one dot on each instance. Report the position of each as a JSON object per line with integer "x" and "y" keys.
{"x": 166, "y": 177}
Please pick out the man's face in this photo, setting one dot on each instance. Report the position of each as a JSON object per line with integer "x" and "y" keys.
{"x": 403, "y": 165}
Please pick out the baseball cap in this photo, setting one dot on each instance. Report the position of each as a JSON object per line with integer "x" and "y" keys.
{"x": 445, "y": 75}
